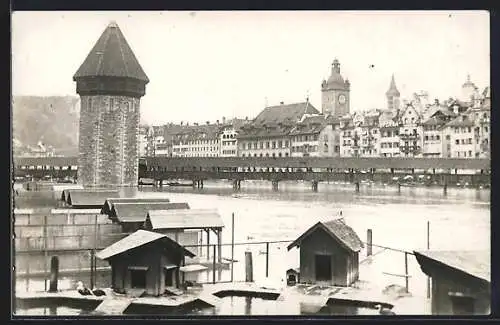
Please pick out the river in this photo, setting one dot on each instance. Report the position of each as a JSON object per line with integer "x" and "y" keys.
{"x": 459, "y": 220}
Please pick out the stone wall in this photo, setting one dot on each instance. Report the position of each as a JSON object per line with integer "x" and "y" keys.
{"x": 108, "y": 144}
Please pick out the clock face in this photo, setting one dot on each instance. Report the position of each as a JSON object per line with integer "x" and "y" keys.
{"x": 341, "y": 99}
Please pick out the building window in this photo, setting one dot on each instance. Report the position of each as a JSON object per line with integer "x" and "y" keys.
{"x": 267, "y": 144}
{"x": 138, "y": 278}
{"x": 470, "y": 153}
{"x": 437, "y": 137}
{"x": 286, "y": 143}
{"x": 280, "y": 144}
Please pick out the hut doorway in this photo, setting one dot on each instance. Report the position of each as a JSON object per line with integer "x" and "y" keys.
{"x": 138, "y": 278}
{"x": 323, "y": 265}
{"x": 169, "y": 277}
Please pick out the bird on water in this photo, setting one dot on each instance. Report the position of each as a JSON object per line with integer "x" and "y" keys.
{"x": 384, "y": 311}
{"x": 87, "y": 292}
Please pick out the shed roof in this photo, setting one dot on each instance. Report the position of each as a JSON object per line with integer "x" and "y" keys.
{"x": 89, "y": 197}
{"x": 137, "y": 239}
{"x": 137, "y": 211}
{"x": 475, "y": 263}
{"x": 338, "y": 230}
{"x": 185, "y": 219}
{"x": 108, "y": 204}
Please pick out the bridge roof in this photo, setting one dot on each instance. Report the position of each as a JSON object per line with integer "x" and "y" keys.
{"x": 136, "y": 212}
{"x": 321, "y": 162}
{"x": 46, "y": 161}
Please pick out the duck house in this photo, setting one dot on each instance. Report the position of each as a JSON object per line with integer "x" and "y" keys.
{"x": 146, "y": 261}
{"x": 329, "y": 254}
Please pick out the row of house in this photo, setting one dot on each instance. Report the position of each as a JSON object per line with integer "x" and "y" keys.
{"x": 450, "y": 129}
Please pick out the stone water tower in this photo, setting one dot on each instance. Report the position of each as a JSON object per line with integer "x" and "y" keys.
{"x": 110, "y": 83}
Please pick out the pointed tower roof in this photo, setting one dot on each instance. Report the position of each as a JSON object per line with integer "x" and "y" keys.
{"x": 111, "y": 56}
{"x": 393, "y": 90}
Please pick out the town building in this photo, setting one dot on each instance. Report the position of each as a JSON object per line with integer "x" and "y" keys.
{"x": 369, "y": 134}
{"x": 461, "y": 281}
{"x": 110, "y": 83}
{"x": 229, "y": 136}
{"x": 315, "y": 136}
{"x": 86, "y": 198}
{"x": 269, "y": 133}
{"x": 461, "y": 132}
{"x": 393, "y": 96}
{"x": 197, "y": 141}
{"x": 389, "y": 134}
{"x": 410, "y": 132}
{"x": 145, "y": 261}
{"x": 109, "y": 203}
{"x": 335, "y": 93}
{"x": 436, "y": 139}
{"x": 329, "y": 253}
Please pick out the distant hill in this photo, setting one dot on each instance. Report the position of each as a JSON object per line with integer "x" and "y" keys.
{"x": 52, "y": 120}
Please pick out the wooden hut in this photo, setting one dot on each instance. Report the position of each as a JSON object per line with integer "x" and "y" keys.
{"x": 87, "y": 199}
{"x": 461, "y": 281}
{"x": 145, "y": 261}
{"x": 292, "y": 276}
{"x": 184, "y": 225}
{"x": 131, "y": 216}
{"x": 108, "y": 204}
{"x": 329, "y": 254}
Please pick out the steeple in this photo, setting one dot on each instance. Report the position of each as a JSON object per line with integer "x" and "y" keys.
{"x": 393, "y": 90}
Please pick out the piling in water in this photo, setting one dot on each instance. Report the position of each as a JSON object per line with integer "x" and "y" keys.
{"x": 54, "y": 274}
{"x": 248, "y": 267}
{"x": 369, "y": 242}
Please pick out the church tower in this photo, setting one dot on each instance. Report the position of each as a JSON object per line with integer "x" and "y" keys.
{"x": 335, "y": 93}
{"x": 110, "y": 83}
{"x": 393, "y": 96}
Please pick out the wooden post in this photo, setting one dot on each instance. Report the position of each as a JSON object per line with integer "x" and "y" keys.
{"x": 232, "y": 247}
{"x": 267, "y": 259}
{"x": 428, "y": 247}
{"x": 369, "y": 242}
{"x": 208, "y": 243}
{"x": 357, "y": 186}
{"x": 406, "y": 272}
{"x": 94, "y": 261}
{"x": 54, "y": 273}
{"x": 219, "y": 245}
{"x": 92, "y": 269}
{"x": 215, "y": 265}
{"x": 248, "y": 267}
{"x": 45, "y": 235}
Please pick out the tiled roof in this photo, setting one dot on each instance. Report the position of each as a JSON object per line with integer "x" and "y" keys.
{"x": 136, "y": 212}
{"x": 196, "y": 132}
{"x": 111, "y": 56}
{"x": 185, "y": 219}
{"x": 460, "y": 121}
{"x": 433, "y": 121}
{"x": 89, "y": 197}
{"x": 262, "y": 131}
{"x": 108, "y": 204}
{"x": 281, "y": 113}
{"x": 475, "y": 263}
{"x": 338, "y": 230}
{"x": 41, "y": 161}
{"x": 310, "y": 125}
{"x": 138, "y": 239}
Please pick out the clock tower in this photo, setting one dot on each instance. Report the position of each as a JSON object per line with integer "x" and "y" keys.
{"x": 335, "y": 93}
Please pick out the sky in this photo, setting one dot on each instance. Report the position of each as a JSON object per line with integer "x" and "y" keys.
{"x": 207, "y": 65}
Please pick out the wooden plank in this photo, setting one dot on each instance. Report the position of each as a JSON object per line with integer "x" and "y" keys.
{"x": 399, "y": 275}
{"x": 113, "y": 306}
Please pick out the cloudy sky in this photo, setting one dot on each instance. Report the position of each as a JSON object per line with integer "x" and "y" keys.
{"x": 205, "y": 65}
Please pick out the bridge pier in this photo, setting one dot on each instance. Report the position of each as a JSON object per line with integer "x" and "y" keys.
{"x": 315, "y": 186}
{"x": 275, "y": 185}
{"x": 445, "y": 187}
{"x": 357, "y": 186}
{"x": 236, "y": 184}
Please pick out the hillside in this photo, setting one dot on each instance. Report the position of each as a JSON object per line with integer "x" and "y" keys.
{"x": 52, "y": 120}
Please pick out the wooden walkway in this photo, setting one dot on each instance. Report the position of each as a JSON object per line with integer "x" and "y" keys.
{"x": 113, "y": 306}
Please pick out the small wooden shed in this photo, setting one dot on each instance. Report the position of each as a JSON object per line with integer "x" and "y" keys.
{"x": 108, "y": 204}
{"x": 146, "y": 261}
{"x": 87, "y": 199}
{"x": 131, "y": 215}
{"x": 461, "y": 281}
{"x": 329, "y": 254}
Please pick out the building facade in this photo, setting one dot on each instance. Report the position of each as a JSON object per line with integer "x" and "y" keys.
{"x": 110, "y": 83}
{"x": 335, "y": 93}
{"x": 410, "y": 132}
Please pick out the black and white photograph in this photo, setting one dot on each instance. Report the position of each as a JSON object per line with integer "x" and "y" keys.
{"x": 250, "y": 163}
